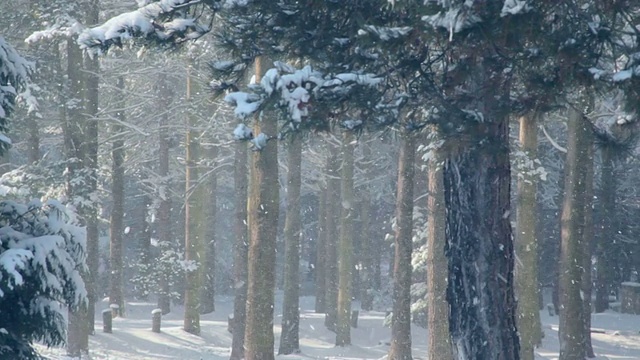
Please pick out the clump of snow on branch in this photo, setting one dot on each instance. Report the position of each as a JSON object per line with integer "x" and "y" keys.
{"x": 455, "y": 18}
{"x": 146, "y": 22}
{"x": 385, "y": 33}
{"x": 242, "y": 132}
{"x": 514, "y": 7}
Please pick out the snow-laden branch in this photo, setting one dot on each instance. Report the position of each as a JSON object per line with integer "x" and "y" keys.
{"x": 159, "y": 21}
{"x": 553, "y": 142}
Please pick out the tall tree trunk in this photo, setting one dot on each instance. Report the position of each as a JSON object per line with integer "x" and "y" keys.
{"x": 477, "y": 179}
{"x": 208, "y": 229}
{"x": 321, "y": 260}
{"x": 117, "y": 212}
{"x": 290, "y": 337}
{"x": 572, "y": 337}
{"x": 527, "y": 243}
{"x": 193, "y": 212}
{"x": 92, "y": 68}
{"x": 263, "y": 208}
{"x": 587, "y": 241}
{"x": 401, "y": 321}
{"x": 33, "y": 139}
{"x": 345, "y": 253}
{"x": 331, "y": 255}
{"x": 78, "y": 327}
{"x": 439, "y": 340}
{"x": 367, "y": 246}
{"x": 240, "y": 248}
{"x": 164, "y": 207}
{"x": 144, "y": 243}
{"x": 606, "y": 233}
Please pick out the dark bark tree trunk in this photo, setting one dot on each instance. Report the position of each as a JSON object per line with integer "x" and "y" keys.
{"x": 401, "y": 321}
{"x": 527, "y": 243}
{"x": 332, "y": 212}
{"x": 208, "y": 229}
{"x": 438, "y": 309}
{"x": 290, "y": 338}
{"x": 571, "y": 332}
{"x": 240, "y": 249}
{"x": 367, "y": 245}
{"x": 477, "y": 177}
{"x": 587, "y": 241}
{"x": 345, "y": 247}
{"x": 320, "y": 262}
{"x": 607, "y": 195}
{"x": 33, "y": 139}
{"x": 263, "y": 208}
{"x": 164, "y": 207}
{"x": 117, "y": 212}
{"x": 73, "y": 120}
{"x": 193, "y": 242}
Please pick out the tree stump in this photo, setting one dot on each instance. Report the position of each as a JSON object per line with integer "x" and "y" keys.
{"x": 354, "y": 318}
{"x": 107, "y": 323}
{"x": 630, "y": 298}
{"x": 156, "y": 320}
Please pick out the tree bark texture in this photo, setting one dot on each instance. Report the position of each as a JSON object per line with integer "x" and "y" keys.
{"x": 401, "y": 321}
{"x": 588, "y": 243}
{"x": 572, "y": 337}
{"x": 290, "y": 337}
{"x": 606, "y": 232}
{"x": 193, "y": 242}
{"x": 345, "y": 246}
{"x": 117, "y": 211}
{"x": 482, "y": 319}
{"x": 527, "y": 243}
{"x": 73, "y": 120}
{"x": 367, "y": 246}
{"x": 208, "y": 230}
{"x": 332, "y": 212}
{"x": 439, "y": 343}
{"x": 320, "y": 263}
{"x": 163, "y": 229}
{"x": 240, "y": 249}
{"x": 263, "y": 208}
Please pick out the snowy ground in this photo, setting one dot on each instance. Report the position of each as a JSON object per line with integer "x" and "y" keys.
{"x": 132, "y": 338}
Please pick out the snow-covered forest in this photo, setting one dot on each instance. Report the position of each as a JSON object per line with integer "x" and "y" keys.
{"x": 321, "y": 179}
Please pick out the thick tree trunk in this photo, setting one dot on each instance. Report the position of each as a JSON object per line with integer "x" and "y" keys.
{"x": 164, "y": 207}
{"x": 73, "y": 119}
{"x": 117, "y": 211}
{"x": 240, "y": 248}
{"x": 439, "y": 343}
{"x": 477, "y": 179}
{"x": 345, "y": 246}
{"x": 320, "y": 262}
{"x": 607, "y": 195}
{"x": 572, "y": 336}
{"x": 290, "y": 338}
{"x": 332, "y": 212}
{"x": 401, "y": 321}
{"x": 587, "y": 241}
{"x": 527, "y": 243}
{"x": 263, "y": 208}
{"x": 208, "y": 229}
{"x": 193, "y": 242}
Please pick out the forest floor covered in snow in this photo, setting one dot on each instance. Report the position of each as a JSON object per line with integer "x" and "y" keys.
{"x": 618, "y": 336}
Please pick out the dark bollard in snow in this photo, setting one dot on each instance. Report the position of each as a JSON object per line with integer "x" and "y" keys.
{"x": 354, "y": 318}
{"x": 230, "y": 324}
{"x": 156, "y": 320}
{"x": 552, "y": 309}
{"x": 107, "y": 321}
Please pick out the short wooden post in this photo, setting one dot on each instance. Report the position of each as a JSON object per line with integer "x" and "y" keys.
{"x": 230, "y": 324}
{"x": 354, "y": 318}
{"x": 551, "y": 309}
{"x": 107, "y": 322}
{"x": 156, "y": 320}
{"x": 115, "y": 310}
